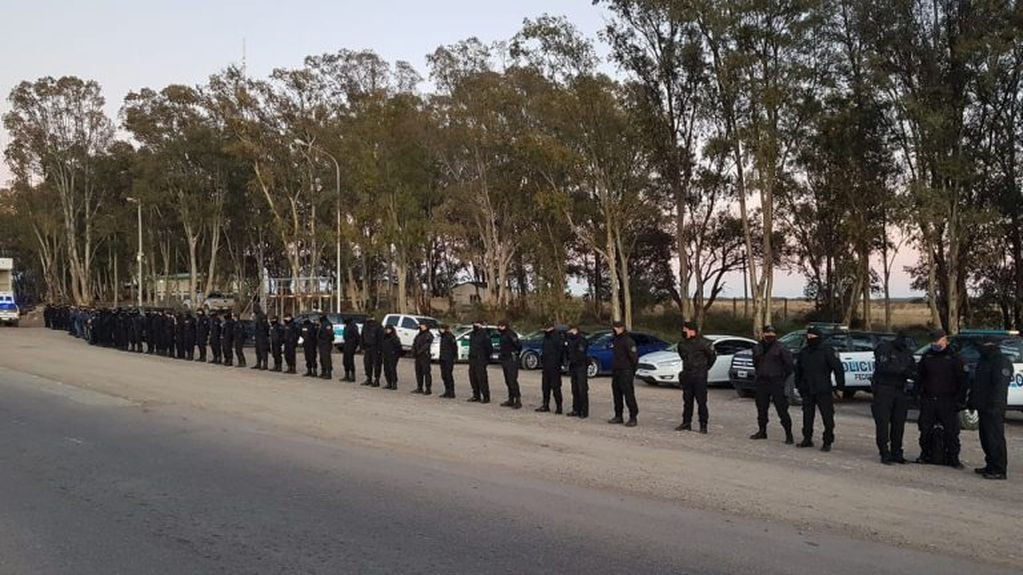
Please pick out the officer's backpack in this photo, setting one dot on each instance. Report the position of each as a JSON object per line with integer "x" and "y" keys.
{"x": 937, "y": 444}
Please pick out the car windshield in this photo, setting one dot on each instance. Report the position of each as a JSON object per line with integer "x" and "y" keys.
{"x": 599, "y": 339}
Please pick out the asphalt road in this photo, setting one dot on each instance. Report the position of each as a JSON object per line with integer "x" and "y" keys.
{"x": 92, "y": 483}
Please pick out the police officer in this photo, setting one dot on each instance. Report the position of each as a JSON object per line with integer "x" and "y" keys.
{"x": 773, "y": 364}
{"x": 372, "y": 339}
{"x": 941, "y": 386}
{"x": 227, "y": 338}
{"x": 698, "y": 356}
{"x": 816, "y": 365}
{"x": 262, "y": 339}
{"x": 989, "y": 396}
{"x": 624, "y": 360}
{"x": 480, "y": 350}
{"x": 325, "y": 343}
{"x": 240, "y": 338}
{"x": 551, "y": 360}
{"x": 576, "y": 347}
{"x": 421, "y": 353}
{"x": 180, "y": 329}
{"x": 216, "y": 340}
{"x": 292, "y": 333}
{"x": 508, "y": 349}
{"x": 170, "y": 334}
{"x": 202, "y": 333}
{"x": 276, "y": 341}
{"x": 309, "y": 347}
{"x": 151, "y": 331}
{"x": 390, "y": 351}
{"x": 448, "y": 355}
{"x": 894, "y": 366}
{"x": 189, "y": 337}
{"x": 351, "y": 345}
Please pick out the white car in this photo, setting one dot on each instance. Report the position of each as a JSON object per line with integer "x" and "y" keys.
{"x": 407, "y": 326}
{"x": 462, "y": 333}
{"x": 9, "y": 312}
{"x": 663, "y": 367}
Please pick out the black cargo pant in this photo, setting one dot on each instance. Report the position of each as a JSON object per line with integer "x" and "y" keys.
{"x": 239, "y": 352}
{"x": 202, "y": 350}
{"x": 479, "y": 380}
{"x": 551, "y": 385}
{"x": 824, "y": 402}
{"x": 623, "y": 391}
{"x": 694, "y": 389}
{"x": 348, "y": 360}
{"x": 225, "y": 348}
{"x": 275, "y": 352}
{"x": 768, "y": 392}
{"x": 424, "y": 374}
{"x": 310, "y": 359}
{"x": 889, "y": 408}
{"x": 390, "y": 371}
{"x": 510, "y": 367}
{"x": 580, "y": 390}
{"x": 326, "y": 361}
{"x": 992, "y": 439}
{"x": 372, "y": 360}
{"x": 291, "y": 357}
{"x": 935, "y": 410}
{"x": 215, "y": 349}
{"x": 262, "y": 353}
{"x": 447, "y": 375}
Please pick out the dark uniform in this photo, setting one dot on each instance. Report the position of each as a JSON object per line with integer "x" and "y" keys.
{"x": 817, "y": 363}
{"x": 189, "y": 337}
{"x": 240, "y": 337}
{"x": 170, "y": 333}
{"x": 941, "y": 386}
{"x": 390, "y": 351}
{"x": 372, "y": 339}
{"x": 508, "y": 349}
{"x": 989, "y": 396}
{"x": 216, "y": 341}
{"x": 227, "y": 339}
{"x": 698, "y": 356}
{"x": 773, "y": 364}
{"x": 325, "y": 343}
{"x": 421, "y": 353}
{"x": 624, "y": 359}
{"x": 202, "y": 334}
{"x": 262, "y": 340}
{"x": 480, "y": 350}
{"x": 152, "y": 327}
{"x": 276, "y": 342}
{"x": 309, "y": 347}
{"x": 448, "y": 355}
{"x": 292, "y": 333}
{"x": 894, "y": 366}
{"x": 550, "y": 362}
{"x": 349, "y": 348}
{"x": 179, "y": 336}
{"x": 576, "y": 347}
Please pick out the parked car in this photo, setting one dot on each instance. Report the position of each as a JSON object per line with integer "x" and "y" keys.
{"x": 462, "y": 334}
{"x": 406, "y": 326}
{"x": 337, "y": 320}
{"x": 9, "y": 312}
{"x": 663, "y": 367}
{"x": 532, "y": 348}
{"x": 600, "y": 353}
{"x": 216, "y": 301}
{"x": 855, "y": 350}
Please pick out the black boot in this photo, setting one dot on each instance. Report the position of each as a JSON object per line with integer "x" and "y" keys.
{"x": 703, "y": 428}
{"x": 789, "y": 440}
{"x": 762, "y": 434}
{"x": 543, "y": 409}
{"x": 807, "y": 442}
{"x": 684, "y": 427}
{"x": 517, "y": 404}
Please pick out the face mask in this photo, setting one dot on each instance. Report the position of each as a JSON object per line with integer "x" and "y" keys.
{"x": 936, "y": 347}
{"x": 813, "y": 341}
{"x": 770, "y": 338}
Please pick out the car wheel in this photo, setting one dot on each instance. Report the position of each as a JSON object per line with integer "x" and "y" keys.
{"x": 530, "y": 360}
{"x": 593, "y": 368}
{"x": 848, "y": 393}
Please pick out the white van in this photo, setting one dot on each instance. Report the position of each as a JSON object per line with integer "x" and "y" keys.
{"x": 407, "y": 326}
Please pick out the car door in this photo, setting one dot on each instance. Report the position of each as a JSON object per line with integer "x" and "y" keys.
{"x": 407, "y": 330}
{"x": 725, "y": 349}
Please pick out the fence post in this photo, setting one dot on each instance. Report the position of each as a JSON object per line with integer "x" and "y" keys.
{"x": 785, "y": 307}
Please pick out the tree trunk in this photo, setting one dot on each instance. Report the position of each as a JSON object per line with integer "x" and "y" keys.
{"x": 932, "y": 282}
{"x": 623, "y": 271}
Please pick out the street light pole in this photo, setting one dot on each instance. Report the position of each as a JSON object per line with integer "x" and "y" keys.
{"x": 337, "y": 182}
{"x": 138, "y": 256}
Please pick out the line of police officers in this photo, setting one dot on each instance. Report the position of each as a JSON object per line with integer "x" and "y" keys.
{"x": 939, "y": 378}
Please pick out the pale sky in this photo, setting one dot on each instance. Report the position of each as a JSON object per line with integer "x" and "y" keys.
{"x": 127, "y": 45}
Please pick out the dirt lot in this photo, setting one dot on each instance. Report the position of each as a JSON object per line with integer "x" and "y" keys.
{"x": 847, "y": 491}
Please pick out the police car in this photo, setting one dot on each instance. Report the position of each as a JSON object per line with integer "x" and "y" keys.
{"x": 462, "y": 334}
{"x": 967, "y": 343}
{"x": 855, "y": 351}
{"x": 9, "y": 313}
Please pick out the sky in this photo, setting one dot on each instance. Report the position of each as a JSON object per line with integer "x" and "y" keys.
{"x": 128, "y": 45}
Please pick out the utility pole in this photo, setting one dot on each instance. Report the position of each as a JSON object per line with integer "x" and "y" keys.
{"x": 138, "y": 256}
